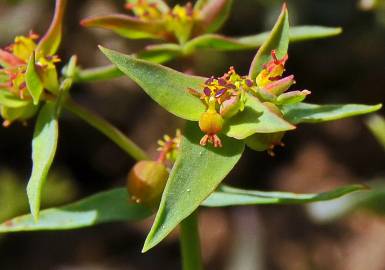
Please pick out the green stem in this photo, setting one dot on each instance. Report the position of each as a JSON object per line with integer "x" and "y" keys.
{"x": 190, "y": 243}
{"x": 107, "y": 129}
{"x": 97, "y": 74}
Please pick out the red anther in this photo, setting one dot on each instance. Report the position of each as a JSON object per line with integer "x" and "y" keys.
{"x": 209, "y": 80}
{"x": 222, "y": 81}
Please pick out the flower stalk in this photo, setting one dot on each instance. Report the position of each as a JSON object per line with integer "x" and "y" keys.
{"x": 190, "y": 243}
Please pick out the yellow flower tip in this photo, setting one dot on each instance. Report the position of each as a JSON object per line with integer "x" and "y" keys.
{"x": 272, "y": 70}
{"x": 144, "y": 10}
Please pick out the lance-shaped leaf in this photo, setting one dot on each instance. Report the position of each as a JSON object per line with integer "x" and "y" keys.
{"x": 255, "y": 118}
{"x": 160, "y": 4}
{"x": 128, "y": 26}
{"x": 50, "y": 42}
{"x": 372, "y": 200}
{"x": 32, "y": 79}
{"x": 114, "y": 205}
{"x": 107, "y": 206}
{"x": 9, "y": 100}
{"x": 212, "y": 15}
{"x": 169, "y": 88}
{"x": 195, "y": 175}
{"x": 296, "y": 33}
{"x": 228, "y": 196}
{"x": 223, "y": 43}
{"x": 43, "y": 151}
{"x": 313, "y": 113}
{"x": 160, "y": 53}
{"x": 278, "y": 40}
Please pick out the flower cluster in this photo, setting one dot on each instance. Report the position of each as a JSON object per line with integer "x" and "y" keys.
{"x": 145, "y": 10}
{"x": 272, "y": 87}
{"x": 14, "y": 61}
{"x": 224, "y": 97}
{"x": 179, "y": 20}
{"x": 169, "y": 147}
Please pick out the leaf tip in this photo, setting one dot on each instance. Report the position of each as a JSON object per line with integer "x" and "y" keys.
{"x": 148, "y": 244}
{"x": 338, "y": 30}
{"x": 284, "y": 7}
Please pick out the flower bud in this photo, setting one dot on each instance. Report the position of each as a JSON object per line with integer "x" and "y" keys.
{"x": 292, "y": 97}
{"x": 230, "y": 107}
{"x": 146, "y": 182}
{"x": 280, "y": 86}
{"x": 211, "y": 122}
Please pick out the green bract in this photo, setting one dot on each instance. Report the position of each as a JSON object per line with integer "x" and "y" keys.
{"x": 43, "y": 151}
{"x": 197, "y": 172}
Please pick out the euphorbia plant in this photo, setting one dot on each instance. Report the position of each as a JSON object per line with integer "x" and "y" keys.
{"x": 223, "y": 115}
{"x": 181, "y": 31}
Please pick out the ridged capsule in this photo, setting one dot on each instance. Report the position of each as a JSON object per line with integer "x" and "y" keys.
{"x": 146, "y": 182}
{"x": 211, "y": 123}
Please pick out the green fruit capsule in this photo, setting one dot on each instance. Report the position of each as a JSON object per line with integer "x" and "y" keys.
{"x": 211, "y": 122}
{"x": 17, "y": 114}
{"x": 146, "y": 182}
{"x": 265, "y": 141}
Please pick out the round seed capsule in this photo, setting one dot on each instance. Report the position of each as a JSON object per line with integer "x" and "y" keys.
{"x": 211, "y": 122}
{"x": 146, "y": 182}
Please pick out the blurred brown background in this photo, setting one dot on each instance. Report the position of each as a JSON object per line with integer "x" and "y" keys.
{"x": 347, "y": 68}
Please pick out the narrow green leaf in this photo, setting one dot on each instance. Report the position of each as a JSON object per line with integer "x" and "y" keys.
{"x": 34, "y": 85}
{"x": 228, "y": 196}
{"x": 309, "y": 32}
{"x": 278, "y": 40}
{"x": 9, "y": 100}
{"x": 50, "y": 42}
{"x": 114, "y": 206}
{"x": 296, "y": 33}
{"x": 376, "y": 124}
{"x": 195, "y": 175}
{"x": 222, "y": 43}
{"x": 108, "y": 206}
{"x": 256, "y": 118}
{"x": 330, "y": 211}
{"x": 43, "y": 151}
{"x": 313, "y": 113}
{"x": 169, "y": 88}
{"x": 128, "y": 26}
{"x": 216, "y": 42}
{"x": 160, "y": 53}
